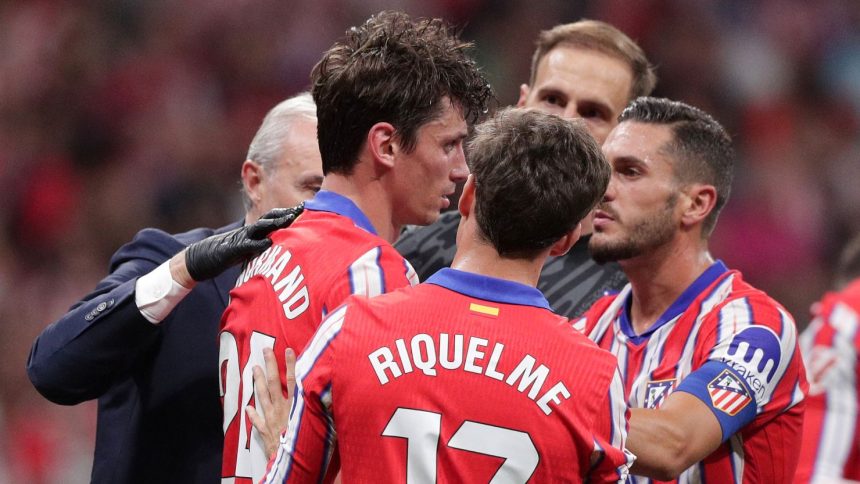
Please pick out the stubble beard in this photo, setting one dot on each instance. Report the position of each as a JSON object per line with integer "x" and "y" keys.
{"x": 644, "y": 236}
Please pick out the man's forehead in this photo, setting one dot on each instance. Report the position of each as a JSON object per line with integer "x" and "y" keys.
{"x": 637, "y": 138}
{"x": 570, "y": 56}
{"x": 588, "y": 71}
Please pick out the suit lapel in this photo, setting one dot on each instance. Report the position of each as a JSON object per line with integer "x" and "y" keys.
{"x": 225, "y": 282}
{"x": 227, "y": 279}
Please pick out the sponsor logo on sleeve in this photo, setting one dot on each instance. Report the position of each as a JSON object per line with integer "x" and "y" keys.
{"x": 755, "y": 354}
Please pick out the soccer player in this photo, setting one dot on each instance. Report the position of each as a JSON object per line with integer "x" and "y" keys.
{"x": 831, "y": 451}
{"x": 142, "y": 341}
{"x": 470, "y": 376}
{"x": 394, "y": 99}
{"x": 588, "y": 70}
{"x": 710, "y": 364}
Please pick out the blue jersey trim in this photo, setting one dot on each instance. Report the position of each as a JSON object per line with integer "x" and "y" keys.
{"x": 677, "y": 308}
{"x": 326, "y": 201}
{"x": 489, "y": 288}
{"x": 703, "y": 381}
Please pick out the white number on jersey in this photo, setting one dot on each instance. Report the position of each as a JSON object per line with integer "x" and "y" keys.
{"x": 421, "y": 430}
{"x": 249, "y": 450}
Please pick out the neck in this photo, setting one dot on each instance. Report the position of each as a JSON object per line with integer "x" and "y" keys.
{"x": 480, "y": 257}
{"x": 660, "y": 276}
{"x": 370, "y": 197}
{"x": 254, "y": 213}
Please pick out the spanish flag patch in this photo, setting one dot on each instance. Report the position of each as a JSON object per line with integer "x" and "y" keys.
{"x": 485, "y": 310}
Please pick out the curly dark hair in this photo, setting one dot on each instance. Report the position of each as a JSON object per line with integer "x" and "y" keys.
{"x": 391, "y": 69}
{"x": 536, "y": 176}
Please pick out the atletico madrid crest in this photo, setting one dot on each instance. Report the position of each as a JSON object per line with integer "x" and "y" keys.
{"x": 728, "y": 393}
{"x": 657, "y": 391}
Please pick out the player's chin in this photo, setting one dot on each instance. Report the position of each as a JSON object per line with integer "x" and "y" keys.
{"x": 430, "y": 217}
{"x": 424, "y": 217}
{"x": 599, "y": 241}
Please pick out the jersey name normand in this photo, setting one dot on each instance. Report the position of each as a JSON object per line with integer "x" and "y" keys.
{"x": 289, "y": 285}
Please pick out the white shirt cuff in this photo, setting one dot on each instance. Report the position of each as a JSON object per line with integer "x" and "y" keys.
{"x": 156, "y": 293}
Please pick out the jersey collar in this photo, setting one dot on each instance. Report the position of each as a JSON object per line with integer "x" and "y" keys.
{"x": 680, "y": 305}
{"x": 488, "y": 288}
{"x": 326, "y": 201}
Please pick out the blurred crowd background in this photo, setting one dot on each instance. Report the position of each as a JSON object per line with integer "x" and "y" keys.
{"x": 118, "y": 114}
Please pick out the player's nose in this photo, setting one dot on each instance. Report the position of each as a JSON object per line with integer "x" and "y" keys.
{"x": 460, "y": 170}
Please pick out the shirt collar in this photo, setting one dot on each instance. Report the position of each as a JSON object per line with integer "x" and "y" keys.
{"x": 489, "y": 288}
{"x": 327, "y": 201}
{"x": 711, "y": 274}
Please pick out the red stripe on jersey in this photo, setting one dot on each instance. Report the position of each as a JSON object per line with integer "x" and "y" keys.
{"x": 279, "y": 301}
{"x": 704, "y": 330}
{"x": 831, "y": 345}
{"x": 465, "y": 406}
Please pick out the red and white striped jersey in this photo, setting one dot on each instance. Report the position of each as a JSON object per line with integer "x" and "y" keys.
{"x": 831, "y": 448}
{"x": 465, "y": 378}
{"x": 330, "y": 252}
{"x": 735, "y": 349}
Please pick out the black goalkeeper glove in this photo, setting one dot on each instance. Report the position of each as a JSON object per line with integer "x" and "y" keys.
{"x": 213, "y": 255}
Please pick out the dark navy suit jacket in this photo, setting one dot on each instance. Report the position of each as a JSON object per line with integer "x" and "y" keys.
{"x": 159, "y": 413}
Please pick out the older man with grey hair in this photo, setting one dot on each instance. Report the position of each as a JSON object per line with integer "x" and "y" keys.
{"x": 144, "y": 341}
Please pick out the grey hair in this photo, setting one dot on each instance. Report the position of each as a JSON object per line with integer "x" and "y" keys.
{"x": 268, "y": 144}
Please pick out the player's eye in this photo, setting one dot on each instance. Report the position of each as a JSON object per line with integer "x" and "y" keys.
{"x": 452, "y": 145}
{"x": 553, "y": 100}
{"x": 629, "y": 171}
{"x": 593, "y": 112}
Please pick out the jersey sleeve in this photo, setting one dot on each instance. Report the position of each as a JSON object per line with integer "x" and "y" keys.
{"x": 610, "y": 460}
{"x": 307, "y": 448}
{"x": 378, "y": 271}
{"x": 753, "y": 368}
{"x": 829, "y": 347}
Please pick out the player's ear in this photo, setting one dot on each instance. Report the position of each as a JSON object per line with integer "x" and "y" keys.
{"x": 252, "y": 180}
{"x": 467, "y": 199}
{"x": 562, "y": 245}
{"x": 699, "y": 201}
{"x": 383, "y": 144}
{"x": 524, "y": 94}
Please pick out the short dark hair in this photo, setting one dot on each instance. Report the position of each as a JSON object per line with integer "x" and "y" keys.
{"x": 536, "y": 176}
{"x": 392, "y": 69}
{"x": 601, "y": 37}
{"x": 701, "y": 145}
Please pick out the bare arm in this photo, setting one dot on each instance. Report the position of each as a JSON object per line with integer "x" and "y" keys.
{"x": 668, "y": 440}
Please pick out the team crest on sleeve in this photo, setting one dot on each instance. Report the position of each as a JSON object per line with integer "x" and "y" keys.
{"x": 657, "y": 391}
{"x": 728, "y": 393}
